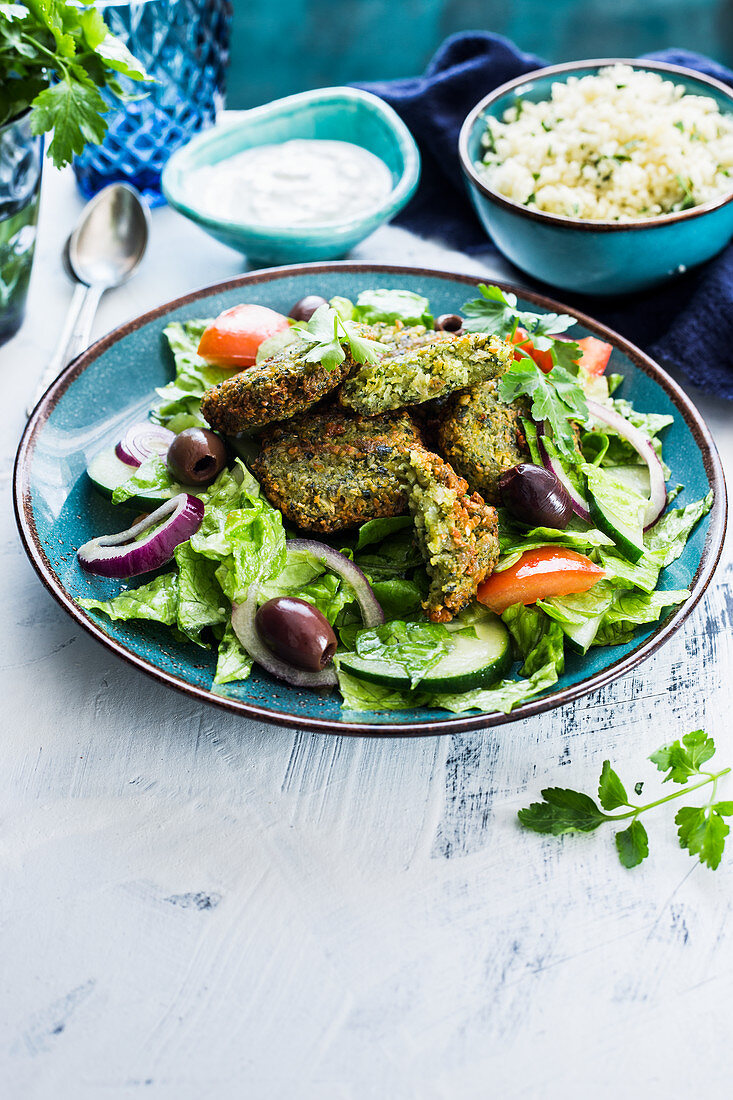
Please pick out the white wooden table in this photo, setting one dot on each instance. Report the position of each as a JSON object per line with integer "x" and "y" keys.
{"x": 193, "y": 905}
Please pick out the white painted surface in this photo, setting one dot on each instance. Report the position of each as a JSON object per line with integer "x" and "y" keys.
{"x": 192, "y": 905}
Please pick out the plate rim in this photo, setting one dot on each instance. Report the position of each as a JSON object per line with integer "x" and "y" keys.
{"x": 709, "y": 558}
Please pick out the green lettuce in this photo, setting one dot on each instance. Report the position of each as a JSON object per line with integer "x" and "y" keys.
{"x": 415, "y": 648}
{"x": 538, "y": 641}
{"x": 504, "y": 697}
{"x": 376, "y": 530}
{"x": 632, "y": 609}
{"x": 156, "y": 601}
{"x": 150, "y": 479}
{"x": 233, "y": 662}
{"x": 392, "y": 305}
{"x": 181, "y": 399}
{"x": 201, "y": 602}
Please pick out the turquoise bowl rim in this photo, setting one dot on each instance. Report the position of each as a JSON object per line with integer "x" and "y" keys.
{"x": 363, "y": 223}
{"x": 709, "y": 558}
{"x": 562, "y": 220}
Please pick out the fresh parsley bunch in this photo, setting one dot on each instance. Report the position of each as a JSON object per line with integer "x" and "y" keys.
{"x": 556, "y": 397}
{"x": 54, "y": 58}
{"x": 701, "y": 829}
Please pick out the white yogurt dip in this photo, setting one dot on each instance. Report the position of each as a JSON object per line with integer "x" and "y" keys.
{"x": 305, "y": 181}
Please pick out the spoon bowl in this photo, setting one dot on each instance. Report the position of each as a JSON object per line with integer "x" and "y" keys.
{"x": 110, "y": 240}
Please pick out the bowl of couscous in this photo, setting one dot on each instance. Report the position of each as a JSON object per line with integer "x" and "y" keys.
{"x": 606, "y": 176}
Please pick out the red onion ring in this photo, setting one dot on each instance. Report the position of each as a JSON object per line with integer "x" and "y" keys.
{"x": 143, "y": 440}
{"x": 644, "y": 448}
{"x": 579, "y": 503}
{"x": 118, "y": 556}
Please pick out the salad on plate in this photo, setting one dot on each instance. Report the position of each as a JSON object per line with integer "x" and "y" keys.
{"x": 407, "y": 509}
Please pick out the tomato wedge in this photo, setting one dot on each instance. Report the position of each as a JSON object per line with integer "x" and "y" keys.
{"x": 233, "y": 338}
{"x": 539, "y": 574}
{"x": 596, "y": 354}
{"x": 543, "y": 359}
{"x": 593, "y": 361}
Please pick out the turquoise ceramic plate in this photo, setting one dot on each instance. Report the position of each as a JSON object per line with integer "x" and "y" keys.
{"x": 112, "y": 384}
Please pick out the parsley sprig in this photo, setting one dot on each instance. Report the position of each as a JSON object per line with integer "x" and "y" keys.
{"x": 701, "y": 829}
{"x": 54, "y": 58}
{"x": 556, "y": 397}
{"x": 327, "y": 332}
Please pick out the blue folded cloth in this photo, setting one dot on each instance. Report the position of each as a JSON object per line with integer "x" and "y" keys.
{"x": 687, "y": 324}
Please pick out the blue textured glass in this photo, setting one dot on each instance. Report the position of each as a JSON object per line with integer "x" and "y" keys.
{"x": 184, "y": 44}
{"x": 20, "y": 182}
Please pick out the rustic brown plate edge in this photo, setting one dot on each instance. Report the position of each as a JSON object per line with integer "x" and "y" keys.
{"x": 708, "y": 560}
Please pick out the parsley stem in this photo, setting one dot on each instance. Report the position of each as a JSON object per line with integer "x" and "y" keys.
{"x": 712, "y": 777}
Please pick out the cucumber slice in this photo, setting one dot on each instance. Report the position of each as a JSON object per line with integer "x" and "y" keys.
{"x": 618, "y": 510}
{"x": 480, "y": 656}
{"x": 106, "y": 471}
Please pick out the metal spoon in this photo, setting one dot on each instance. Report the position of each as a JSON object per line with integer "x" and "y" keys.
{"x": 104, "y": 250}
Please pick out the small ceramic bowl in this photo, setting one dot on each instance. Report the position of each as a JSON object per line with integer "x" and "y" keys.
{"x": 588, "y": 256}
{"x": 336, "y": 114}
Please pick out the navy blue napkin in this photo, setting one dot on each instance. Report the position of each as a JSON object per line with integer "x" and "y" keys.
{"x": 687, "y": 324}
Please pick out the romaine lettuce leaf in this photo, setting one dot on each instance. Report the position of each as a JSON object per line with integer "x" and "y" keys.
{"x": 181, "y": 398}
{"x": 505, "y": 696}
{"x": 376, "y": 530}
{"x": 150, "y": 479}
{"x": 200, "y": 599}
{"x": 398, "y": 597}
{"x": 156, "y": 601}
{"x": 360, "y": 695}
{"x": 666, "y": 539}
{"x": 580, "y": 615}
{"x": 392, "y": 305}
{"x": 416, "y": 648}
{"x": 538, "y": 640}
{"x": 631, "y": 609}
{"x": 233, "y": 662}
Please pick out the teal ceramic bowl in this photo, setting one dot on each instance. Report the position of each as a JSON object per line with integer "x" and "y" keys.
{"x": 113, "y": 384}
{"x": 585, "y": 256}
{"x": 334, "y": 114}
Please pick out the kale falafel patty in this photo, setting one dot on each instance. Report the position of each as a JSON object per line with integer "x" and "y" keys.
{"x": 419, "y": 373}
{"x": 279, "y": 388}
{"x": 458, "y": 533}
{"x": 482, "y": 436}
{"x": 330, "y": 471}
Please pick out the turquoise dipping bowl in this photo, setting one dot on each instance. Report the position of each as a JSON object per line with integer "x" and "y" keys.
{"x": 587, "y": 256}
{"x": 335, "y": 114}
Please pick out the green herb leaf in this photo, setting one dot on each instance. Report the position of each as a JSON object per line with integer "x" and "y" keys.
{"x": 327, "y": 332}
{"x": 632, "y": 844}
{"x": 556, "y": 398}
{"x": 683, "y": 759}
{"x": 563, "y": 811}
{"x": 702, "y": 831}
{"x": 611, "y": 791}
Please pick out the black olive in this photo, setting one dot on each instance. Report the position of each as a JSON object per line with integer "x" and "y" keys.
{"x": 196, "y": 456}
{"x": 449, "y": 322}
{"x": 297, "y": 632}
{"x": 535, "y": 496}
{"x": 304, "y": 308}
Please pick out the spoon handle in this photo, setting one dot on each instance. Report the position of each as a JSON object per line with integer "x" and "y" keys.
{"x": 81, "y": 334}
{"x": 74, "y": 338}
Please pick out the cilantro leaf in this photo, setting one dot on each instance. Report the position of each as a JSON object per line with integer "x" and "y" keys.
{"x": 494, "y": 312}
{"x": 563, "y": 811}
{"x": 611, "y": 791}
{"x": 702, "y": 831}
{"x": 683, "y": 759}
{"x": 632, "y": 844}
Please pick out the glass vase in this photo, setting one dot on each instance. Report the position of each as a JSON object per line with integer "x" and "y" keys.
{"x": 21, "y": 156}
{"x": 184, "y": 44}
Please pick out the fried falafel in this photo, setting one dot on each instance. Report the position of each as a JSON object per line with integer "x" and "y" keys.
{"x": 482, "y": 436}
{"x": 330, "y": 471}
